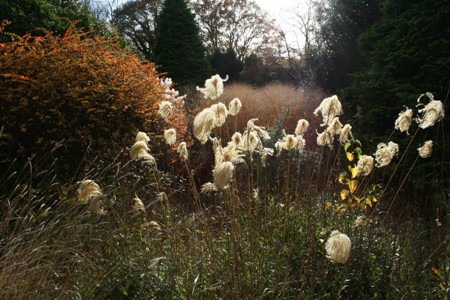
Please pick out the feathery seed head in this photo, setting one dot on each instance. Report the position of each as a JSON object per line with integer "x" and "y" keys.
{"x": 365, "y": 165}
{"x": 87, "y": 190}
{"x": 234, "y": 107}
{"x": 204, "y": 124}
{"x": 432, "y": 112}
{"x": 165, "y": 109}
{"x": 302, "y": 127}
{"x": 404, "y": 120}
{"x": 213, "y": 87}
{"x": 329, "y": 108}
{"x": 142, "y": 136}
{"x": 385, "y": 153}
{"x": 426, "y": 149}
{"x": 345, "y": 133}
{"x": 182, "y": 150}
{"x": 170, "y": 135}
{"x": 222, "y": 174}
{"x": 338, "y": 247}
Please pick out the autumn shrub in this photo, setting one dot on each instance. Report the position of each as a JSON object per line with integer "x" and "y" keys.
{"x": 77, "y": 92}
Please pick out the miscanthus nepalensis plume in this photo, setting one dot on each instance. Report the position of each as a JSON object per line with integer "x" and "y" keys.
{"x": 404, "y": 120}
{"x": 182, "y": 150}
{"x": 325, "y": 138}
{"x": 213, "y": 87}
{"x": 338, "y": 247}
{"x": 385, "y": 153}
{"x": 302, "y": 127}
{"x": 139, "y": 151}
{"x": 426, "y": 150}
{"x": 137, "y": 205}
{"x": 431, "y": 113}
{"x": 170, "y": 135}
{"x": 220, "y": 113}
{"x": 329, "y": 108}
{"x": 87, "y": 190}
{"x": 222, "y": 174}
{"x": 204, "y": 124}
{"x": 142, "y": 137}
{"x": 345, "y": 134}
{"x": 234, "y": 106}
{"x": 365, "y": 165}
{"x": 165, "y": 109}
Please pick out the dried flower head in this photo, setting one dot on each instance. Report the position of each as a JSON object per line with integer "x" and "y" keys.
{"x": 222, "y": 174}
{"x": 139, "y": 151}
{"x": 162, "y": 197}
{"x": 260, "y": 130}
{"x": 213, "y": 87}
{"x": 338, "y": 247}
{"x": 96, "y": 205}
{"x": 229, "y": 153}
{"x": 182, "y": 150}
{"x": 208, "y": 188}
{"x": 251, "y": 141}
{"x": 220, "y": 113}
{"x": 345, "y": 134}
{"x": 426, "y": 150}
{"x": 137, "y": 205}
{"x": 325, "y": 138}
{"x": 204, "y": 124}
{"x": 385, "y": 153}
{"x": 142, "y": 137}
{"x": 329, "y": 108}
{"x": 365, "y": 165}
{"x": 87, "y": 190}
{"x": 432, "y": 112}
{"x": 404, "y": 120}
{"x": 237, "y": 139}
{"x": 335, "y": 126}
{"x": 289, "y": 142}
{"x": 234, "y": 107}
{"x": 302, "y": 127}
{"x": 165, "y": 109}
{"x": 170, "y": 135}
{"x": 264, "y": 154}
{"x": 301, "y": 143}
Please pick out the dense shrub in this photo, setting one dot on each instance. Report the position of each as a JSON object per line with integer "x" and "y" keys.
{"x": 77, "y": 91}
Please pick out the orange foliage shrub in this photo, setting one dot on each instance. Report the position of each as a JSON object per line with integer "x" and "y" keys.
{"x": 77, "y": 91}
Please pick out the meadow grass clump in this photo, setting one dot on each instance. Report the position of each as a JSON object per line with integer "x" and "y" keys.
{"x": 283, "y": 216}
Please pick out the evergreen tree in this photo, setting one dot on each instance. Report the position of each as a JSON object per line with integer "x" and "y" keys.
{"x": 53, "y": 15}
{"x": 226, "y": 64}
{"x": 408, "y": 54}
{"x": 179, "y": 50}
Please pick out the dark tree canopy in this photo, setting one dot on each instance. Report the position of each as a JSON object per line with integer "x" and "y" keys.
{"x": 226, "y": 64}
{"x": 179, "y": 50}
{"x": 336, "y": 55}
{"x": 53, "y": 15}
{"x": 136, "y": 20}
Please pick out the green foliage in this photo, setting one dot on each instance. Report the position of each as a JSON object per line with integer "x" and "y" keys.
{"x": 54, "y": 15}
{"x": 179, "y": 51}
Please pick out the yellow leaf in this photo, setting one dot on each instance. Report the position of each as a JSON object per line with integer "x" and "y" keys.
{"x": 352, "y": 185}
{"x": 342, "y": 177}
{"x": 368, "y": 202}
{"x": 354, "y": 171}
{"x": 350, "y": 156}
{"x": 344, "y": 194}
{"x": 328, "y": 205}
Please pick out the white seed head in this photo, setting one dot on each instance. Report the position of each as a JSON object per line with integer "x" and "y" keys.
{"x": 385, "y": 153}
{"x": 338, "y": 247}
{"x": 165, "y": 109}
{"x": 426, "y": 149}
{"x": 170, "y": 135}
{"x": 213, "y": 87}
{"x": 142, "y": 137}
{"x": 365, "y": 165}
{"x": 345, "y": 134}
{"x": 222, "y": 174}
{"x": 87, "y": 190}
{"x": 432, "y": 112}
{"x": 404, "y": 120}
{"x": 302, "y": 127}
{"x": 220, "y": 113}
{"x": 329, "y": 108}
{"x": 204, "y": 124}
{"x": 182, "y": 150}
{"x": 234, "y": 107}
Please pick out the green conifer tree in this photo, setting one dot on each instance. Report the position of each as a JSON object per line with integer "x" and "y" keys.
{"x": 179, "y": 50}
